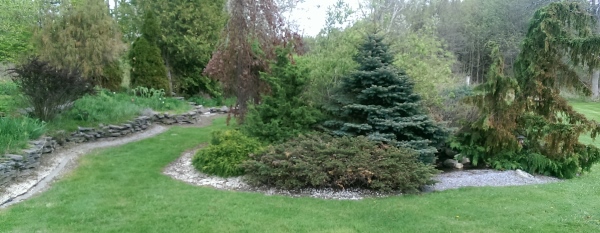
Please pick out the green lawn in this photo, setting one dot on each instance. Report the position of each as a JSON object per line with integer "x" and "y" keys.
{"x": 591, "y": 110}
{"x": 122, "y": 190}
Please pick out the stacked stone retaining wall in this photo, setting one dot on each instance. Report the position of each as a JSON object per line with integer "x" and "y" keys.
{"x": 13, "y": 166}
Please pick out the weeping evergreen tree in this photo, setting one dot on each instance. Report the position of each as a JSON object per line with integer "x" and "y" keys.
{"x": 147, "y": 66}
{"x": 550, "y": 125}
{"x": 378, "y": 101}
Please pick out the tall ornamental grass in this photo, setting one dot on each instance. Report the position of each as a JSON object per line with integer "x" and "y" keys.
{"x": 16, "y": 132}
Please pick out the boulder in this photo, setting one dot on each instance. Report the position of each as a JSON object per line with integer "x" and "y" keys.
{"x": 523, "y": 174}
{"x": 451, "y": 163}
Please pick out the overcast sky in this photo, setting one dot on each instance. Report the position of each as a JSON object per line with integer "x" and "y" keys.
{"x": 311, "y": 14}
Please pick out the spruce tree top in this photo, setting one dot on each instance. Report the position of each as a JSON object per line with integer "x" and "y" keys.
{"x": 377, "y": 101}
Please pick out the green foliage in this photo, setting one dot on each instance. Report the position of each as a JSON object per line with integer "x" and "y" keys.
{"x": 17, "y": 18}
{"x": 320, "y": 160}
{"x": 104, "y": 107}
{"x": 15, "y": 133}
{"x": 189, "y": 34}
{"x": 328, "y": 59}
{"x": 108, "y": 107}
{"x": 425, "y": 58}
{"x": 285, "y": 113}
{"x": 10, "y": 97}
{"x": 212, "y": 102}
{"x": 530, "y": 104}
{"x": 112, "y": 76}
{"x": 147, "y": 65}
{"x": 48, "y": 89}
{"x": 227, "y": 151}
{"x": 378, "y": 101}
{"x": 79, "y": 35}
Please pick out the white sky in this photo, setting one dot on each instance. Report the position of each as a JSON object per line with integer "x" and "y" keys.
{"x": 310, "y": 15}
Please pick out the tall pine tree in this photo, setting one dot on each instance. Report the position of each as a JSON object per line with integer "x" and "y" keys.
{"x": 378, "y": 101}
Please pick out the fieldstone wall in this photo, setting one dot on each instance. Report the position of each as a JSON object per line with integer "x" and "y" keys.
{"x": 13, "y": 166}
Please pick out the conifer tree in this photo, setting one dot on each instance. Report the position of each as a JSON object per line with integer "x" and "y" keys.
{"x": 81, "y": 35}
{"x": 378, "y": 101}
{"x": 147, "y": 66}
{"x": 284, "y": 113}
{"x": 550, "y": 126}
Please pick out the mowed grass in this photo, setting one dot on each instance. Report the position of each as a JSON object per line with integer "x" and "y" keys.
{"x": 590, "y": 110}
{"x": 122, "y": 190}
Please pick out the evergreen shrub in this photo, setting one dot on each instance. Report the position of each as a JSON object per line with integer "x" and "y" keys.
{"x": 323, "y": 161}
{"x": 112, "y": 76}
{"x": 227, "y": 151}
{"x": 147, "y": 65}
{"x": 285, "y": 113}
{"x": 378, "y": 101}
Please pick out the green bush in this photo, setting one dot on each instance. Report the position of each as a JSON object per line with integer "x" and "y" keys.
{"x": 104, "y": 107}
{"x": 213, "y": 102}
{"x": 320, "y": 160}
{"x": 112, "y": 76}
{"x": 113, "y": 107}
{"x": 147, "y": 66}
{"x": 285, "y": 113}
{"x": 227, "y": 150}
{"x": 16, "y": 132}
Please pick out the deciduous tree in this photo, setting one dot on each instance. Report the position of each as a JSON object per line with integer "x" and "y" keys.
{"x": 247, "y": 47}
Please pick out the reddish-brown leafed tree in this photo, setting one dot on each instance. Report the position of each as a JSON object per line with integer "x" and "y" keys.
{"x": 247, "y": 47}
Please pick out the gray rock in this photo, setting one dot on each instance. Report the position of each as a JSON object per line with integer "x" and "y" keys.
{"x": 523, "y": 174}
{"x": 14, "y": 157}
{"x": 451, "y": 163}
{"x": 84, "y": 129}
{"x": 224, "y": 109}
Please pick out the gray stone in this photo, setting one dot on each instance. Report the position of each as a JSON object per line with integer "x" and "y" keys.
{"x": 523, "y": 174}
{"x": 47, "y": 150}
{"x": 14, "y": 157}
{"x": 168, "y": 121}
{"x": 224, "y": 109}
{"x": 115, "y": 134}
{"x": 451, "y": 163}
{"x": 84, "y": 129}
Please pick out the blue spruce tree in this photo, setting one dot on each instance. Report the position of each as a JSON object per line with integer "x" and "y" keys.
{"x": 377, "y": 101}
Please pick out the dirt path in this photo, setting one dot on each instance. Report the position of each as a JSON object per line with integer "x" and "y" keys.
{"x": 65, "y": 160}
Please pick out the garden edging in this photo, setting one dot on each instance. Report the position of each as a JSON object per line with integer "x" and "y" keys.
{"x": 15, "y": 166}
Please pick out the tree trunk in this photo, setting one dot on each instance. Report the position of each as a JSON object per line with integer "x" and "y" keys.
{"x": 170, "y": 92}
{"x": 595, "y": 77}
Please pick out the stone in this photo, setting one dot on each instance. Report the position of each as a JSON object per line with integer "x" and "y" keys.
{"x": 523, "y": 174}
{"x": 115, "y": 127}
{"x": 115, "y": 134}
{"x": 84, "y": 129}
{"x": 451, "y": 163}
{"x": 224, "y": 109}
{"x": 17, "y": 158}
{"x": 168, "y": 121}
{"x": 47, "y": 150}
{"x": 76, "y": 139}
